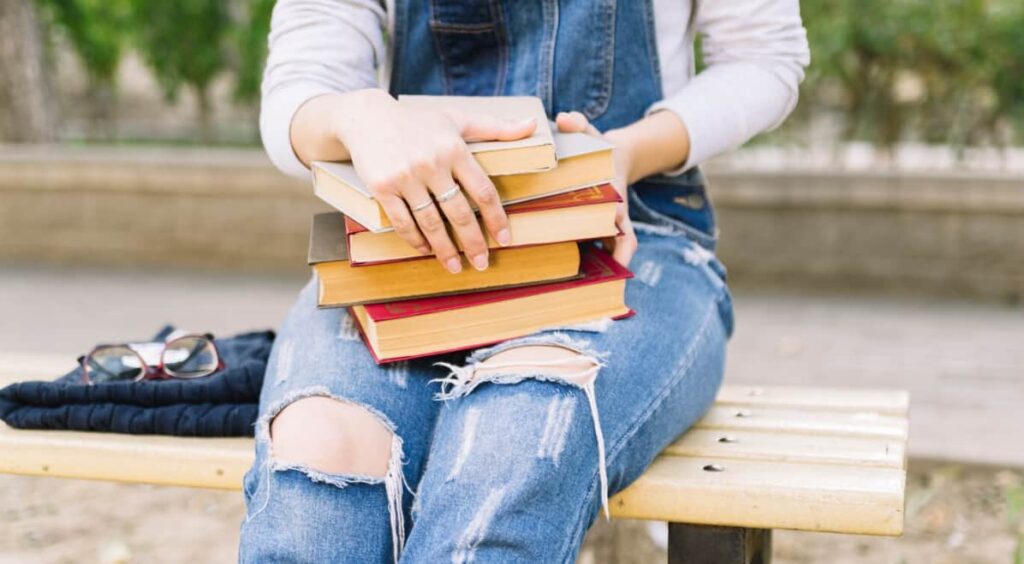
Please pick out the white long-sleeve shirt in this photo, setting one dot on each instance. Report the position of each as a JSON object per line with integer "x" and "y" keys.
{"x": 755, "y": 52}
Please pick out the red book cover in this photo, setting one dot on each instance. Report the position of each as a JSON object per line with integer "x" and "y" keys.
{"x": 595, "y": 265}
{"x": 600, "y": 194}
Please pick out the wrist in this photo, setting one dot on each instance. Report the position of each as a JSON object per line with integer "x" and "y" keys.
{"x": 625, "y": 149}
{"x": 657, "y": 143}
{"x": 348, "y": 111}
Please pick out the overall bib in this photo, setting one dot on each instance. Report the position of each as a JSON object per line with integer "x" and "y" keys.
{"x": 513, "y": 466}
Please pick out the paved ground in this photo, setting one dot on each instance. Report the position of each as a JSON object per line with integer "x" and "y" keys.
{"x": 963, "y": 362}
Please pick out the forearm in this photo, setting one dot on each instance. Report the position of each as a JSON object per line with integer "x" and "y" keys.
{"x": 316, "y": 48}
{"x": 657, "y": 143}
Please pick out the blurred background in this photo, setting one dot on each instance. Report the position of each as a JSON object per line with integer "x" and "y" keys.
{"x": 875, "y": 240}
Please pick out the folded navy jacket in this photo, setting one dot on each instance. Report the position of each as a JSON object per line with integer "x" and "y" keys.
{"x": 223, "y": 404}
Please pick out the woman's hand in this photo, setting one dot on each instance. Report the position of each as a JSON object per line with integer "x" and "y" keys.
{"x": 624, "y": 245}
{"x": 404, "y": 155}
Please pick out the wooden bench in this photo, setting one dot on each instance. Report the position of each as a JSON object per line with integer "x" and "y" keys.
{"x": 764, "y": 458}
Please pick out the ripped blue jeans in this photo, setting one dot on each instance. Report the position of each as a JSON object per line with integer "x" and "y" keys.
{"x": 491, "y": 459}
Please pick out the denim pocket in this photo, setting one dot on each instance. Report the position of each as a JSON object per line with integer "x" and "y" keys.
{"x": 471, "y": 42}
{"x": 675, "y": 204}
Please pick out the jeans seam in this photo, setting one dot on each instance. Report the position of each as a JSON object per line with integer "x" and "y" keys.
{"x": 613, "y": 452}
{"x": 652, "y": 47}
{"x": 501, "y": 34}
{"x": 598, "y": 105}
{"x": 550, "y": 15}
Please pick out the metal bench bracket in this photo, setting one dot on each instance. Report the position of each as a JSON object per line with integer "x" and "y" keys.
{"x": 703, "y": 544}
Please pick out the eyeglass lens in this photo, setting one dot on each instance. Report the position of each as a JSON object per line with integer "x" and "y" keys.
{"x": 190, "y": 357}
{"x": 114, "y": 363}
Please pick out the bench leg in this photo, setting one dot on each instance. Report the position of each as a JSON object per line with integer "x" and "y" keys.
{"x": 701, "y": 544}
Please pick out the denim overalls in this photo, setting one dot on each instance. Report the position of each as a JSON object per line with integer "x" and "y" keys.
{"x": 515, "y": 464}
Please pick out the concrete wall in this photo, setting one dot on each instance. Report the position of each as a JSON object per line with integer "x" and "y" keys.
{"x": 937, "y": 234}
{"x": 949, "y": 234}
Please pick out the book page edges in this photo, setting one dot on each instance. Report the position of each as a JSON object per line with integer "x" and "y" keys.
{"x": 586, "y": 222}
{"x": 372, "y": 341}
{"x": 597, "y": 266}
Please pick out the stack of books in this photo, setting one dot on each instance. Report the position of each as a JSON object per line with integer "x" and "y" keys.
{"x": 556, "y": 191}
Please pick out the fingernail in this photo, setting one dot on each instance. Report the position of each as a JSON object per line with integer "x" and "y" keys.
{"x": 480, "y": 262}
{"x": 527, "y": 121}
{"x": 504, "y": 237}
{"x": 424, "y": 250}
{"x": 454, "y": 265}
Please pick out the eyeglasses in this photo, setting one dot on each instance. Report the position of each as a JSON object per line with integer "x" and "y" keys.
{"x": 186, "y": 357}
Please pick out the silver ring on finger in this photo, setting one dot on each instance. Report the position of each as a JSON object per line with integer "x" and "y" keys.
{"x": 423, "y": 206}
{"x": 451, "y": 193}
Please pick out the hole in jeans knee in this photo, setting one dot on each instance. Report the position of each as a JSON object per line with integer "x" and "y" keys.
{"x": 550, "y": 360}
{"x": 331, "y": 436}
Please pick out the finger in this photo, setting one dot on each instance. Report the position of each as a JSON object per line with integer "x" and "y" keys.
{"x": 475, "y": 127}
{"x": 575, "y": 122}
{"x": 460, "y": 215}
{"x": 481, "y": 190}
{"x": 609, "y": 242}
{"x": 431, "y": 224}
{"x": 625, "y": 243}
{"x": 403, "y": 222}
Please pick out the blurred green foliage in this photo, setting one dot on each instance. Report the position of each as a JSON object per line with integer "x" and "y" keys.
{"x": 96, "y": 30}
{"x": 251, "y": 41}
{"x": 885, "y": 71}
{"x": 938, "y": 71}
{"x": 183, "y": 41}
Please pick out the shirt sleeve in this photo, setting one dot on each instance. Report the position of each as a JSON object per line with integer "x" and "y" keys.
{"x": 315, "y": 47}
{"x": 755, "y": 52}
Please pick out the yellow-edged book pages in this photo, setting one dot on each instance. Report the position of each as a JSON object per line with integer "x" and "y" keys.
{"x": 343, "y": 284}
{"x": 583, "y": 161}
{"x": 588, "y": 213}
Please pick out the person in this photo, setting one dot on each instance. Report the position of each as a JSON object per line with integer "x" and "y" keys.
{"x": 511, "y": 456}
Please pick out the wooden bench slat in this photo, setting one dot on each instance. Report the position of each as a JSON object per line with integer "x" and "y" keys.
{"x": 146, "y": 459}
{"x": 749, "y": 493}
{"x": 790, "y": 447}
{"x": 850, "y": 424}
{"x": 888, "y": 402}
{"x": 759, "y": 494}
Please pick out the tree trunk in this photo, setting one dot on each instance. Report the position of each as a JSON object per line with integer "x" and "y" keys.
{"x": 205, "y": 115}
{"x": 102, "y": 98}
{"x": 26, "y": 104}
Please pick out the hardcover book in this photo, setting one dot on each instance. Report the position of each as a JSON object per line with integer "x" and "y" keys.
{"x": 341, "y": 284}
{"x": 588, "y": 213}
{"x": 532, "y": 154}
{"x": 583, "y": 160}
{"x": 411, "y": 328}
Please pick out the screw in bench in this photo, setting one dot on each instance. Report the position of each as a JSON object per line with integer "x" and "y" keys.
{"x": 755, "y": 392}
{"x": 728, "y": 439}
{"x": 742, "y": 413}
{"x": 714, "y": 468}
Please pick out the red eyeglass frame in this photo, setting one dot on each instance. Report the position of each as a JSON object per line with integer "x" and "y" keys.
{"x": 150, "y": 372}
